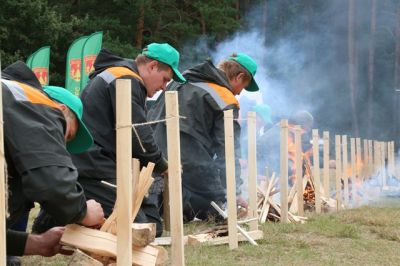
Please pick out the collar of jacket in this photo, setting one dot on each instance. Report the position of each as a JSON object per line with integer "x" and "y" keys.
{"x": 207, "y": 72}
{"x": 20, "y": 72}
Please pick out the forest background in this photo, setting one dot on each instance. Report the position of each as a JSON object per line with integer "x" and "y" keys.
{"x": 338, "y": 59}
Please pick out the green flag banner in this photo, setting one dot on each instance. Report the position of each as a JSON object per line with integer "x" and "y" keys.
{"x": 39, "y": 63}
{"x": 90, "y": 51}
{"x": 74, "y": 66}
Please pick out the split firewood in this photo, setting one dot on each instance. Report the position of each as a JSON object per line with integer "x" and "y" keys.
{"x": 142, "y": 185}
{"x": 80, "y": 258}
{"x": 105, "y": 244}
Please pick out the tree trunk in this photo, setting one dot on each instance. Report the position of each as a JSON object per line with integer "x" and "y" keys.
{"x": 140, "y": 27}
{"x": 237, "y": 5}
{"x": 265, "y": 17}
{"x": 352, "y": 65}
{"x": 203, "y": 24}
{"x": 371, "y": 59}
{"x": 397, "y": 76}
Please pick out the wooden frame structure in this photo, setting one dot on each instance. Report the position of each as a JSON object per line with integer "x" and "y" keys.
{"x": 174, "y": 178}
{"x": 124, "y": 172}
{"x": 230, "y": 179}
{"x": 3, "y": 211}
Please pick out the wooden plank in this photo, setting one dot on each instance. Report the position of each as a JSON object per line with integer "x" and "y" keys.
{"x": 383, "y": 163}
{"x": 230, "y": 179}
{"x": 209, "y": 240}
{"x": 105, "y": 244}
{"x": 252, "y": 169}
{"x": 174, "y": 177}
{"x": 326, "y": 164}
{"x": 364, "y": 172}
{"x": 338, "y": 171}
{"x": 80, "y": 258}
{"x": 3, "y": 203}
{"x": 124, "y": 171}
{"x": 135, "y": 184}
{"x": 317, "y": 176}
{"x": 358, "y": 158}
{"x": 143, "y": 234}
{"x": 353, "y": 160}
{"x": 3, "y": 210}
{"x": 370, "y": 158}
{"x": 284, "y": 170}
{"x": 345, "y": 176}
{"x": 376, "y": 157}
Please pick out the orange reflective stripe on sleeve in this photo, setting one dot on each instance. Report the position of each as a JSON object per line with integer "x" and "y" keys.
{"x": 118, "y": 72}
{"x": 37, "y": 97}
{"x": 225, "y": 94}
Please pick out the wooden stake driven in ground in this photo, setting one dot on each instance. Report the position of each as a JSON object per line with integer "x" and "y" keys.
{"x": 353, "y": 167}
{"x": 338, "y": 172}
{"x": 3, "y": 199}
{"x": 124, "y": 172}
{"x": 317, "y": 179}
{"x": 174, "y": 177}
{"x": 358, "y": 158}
{"x": 370, "y": 158}
{"x": 383, "y": 162}
{"x": 345, "y": 175}
{"x": 299, "y": 170}
{"x": 252, "y": 169}
{"x": 364, "y": 171}
{"x": 284, "y": 170}
{"x": 376, "y": 157}
{"x": 230, "y": 179}
{"x": 326, "y": 164}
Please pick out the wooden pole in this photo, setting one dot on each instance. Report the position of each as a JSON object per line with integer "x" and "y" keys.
{"x": 124, "y": 172}
{"x": 338, "y": 172}
{"x": 353, "y": 167}
{"x": 383, "y": 163}
{"x": 370, "y": 158}
{"x": 230, "y": 179}
{"x": 345, "y": 175}
{"x": 284, "y": 170}
{"x": 252, "y": 169}
{"x": 365, "y": 161}
{"x": 317, "y": 179}
{"x": 3, "y": 212}
{"x": 358, "y": 158}
{"x": 174, "y": 177}
{"x": 299, "y": 170}
{"x": 376, "y": 157}
{"x": 326, "y": 164}
{"x": 392, "y": 160}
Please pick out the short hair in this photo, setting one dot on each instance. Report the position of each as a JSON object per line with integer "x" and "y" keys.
{"x": 233, "y": 68}
{"x": 142, "y": 59}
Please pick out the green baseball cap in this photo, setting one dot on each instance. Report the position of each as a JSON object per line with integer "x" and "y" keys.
{"x": 250, "y": 65}
{"x": 83, "y": 139}
{"x": 166, "y": 54}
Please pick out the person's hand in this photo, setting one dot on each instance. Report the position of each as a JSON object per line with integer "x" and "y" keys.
{"x": 46, "y": 244}
{"x": 94, "y": 214}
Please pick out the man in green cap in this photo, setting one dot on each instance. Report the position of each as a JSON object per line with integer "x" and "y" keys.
{"x": 209, "y": 92}
{"x": 39, "y": 133}
{"x": 149, "y": 72}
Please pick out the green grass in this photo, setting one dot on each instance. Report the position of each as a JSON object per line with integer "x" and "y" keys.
{"x": 367, "y": 235}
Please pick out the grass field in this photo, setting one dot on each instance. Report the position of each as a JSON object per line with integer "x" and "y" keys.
{"x": 368, "y": 235}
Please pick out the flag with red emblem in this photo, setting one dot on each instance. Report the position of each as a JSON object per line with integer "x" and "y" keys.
{"x": 39, "y": 63}
{"x": 74, "y": 66}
